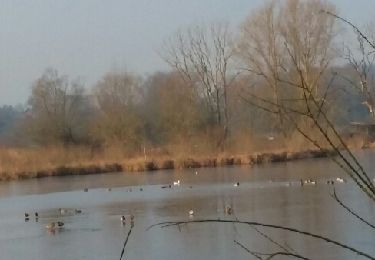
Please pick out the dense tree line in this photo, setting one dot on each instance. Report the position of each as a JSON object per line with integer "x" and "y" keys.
{"x": 222, "y": 79}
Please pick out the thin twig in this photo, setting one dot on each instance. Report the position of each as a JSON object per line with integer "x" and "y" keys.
{"x": 335, "y": 197}
{"x": 248, "y": 250}
{"x": 126, "y": 241}
{"x": 271, "y": 240}
{"x": 269, "y": 255}
{"x": 252, "y": 223}
{"x": 356, "y": 29}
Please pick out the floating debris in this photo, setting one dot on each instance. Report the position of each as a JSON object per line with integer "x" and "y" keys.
{"x": 77, "y": 211}
{"x": 166, "y": 186}
{"x": 191, "y": 212}
{"x": 85, "y": 189}
{"x": 340, "y": 180}
{"x": 236, "y": 184}
{"x": 176, "y": 183}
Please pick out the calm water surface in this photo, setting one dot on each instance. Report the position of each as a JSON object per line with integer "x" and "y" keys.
{"x": 268, "y": 194}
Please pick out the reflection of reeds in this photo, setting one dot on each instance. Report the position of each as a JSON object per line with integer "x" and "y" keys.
{"x": 22, "y": 163}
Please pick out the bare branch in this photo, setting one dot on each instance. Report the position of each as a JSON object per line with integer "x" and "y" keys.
{"x": 251, "y": 223}
{"x": 126, "y": 241}
{"x": 336, "y": 198}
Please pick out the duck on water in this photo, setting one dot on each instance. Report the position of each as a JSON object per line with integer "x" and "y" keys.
{"x": 55, "y": 225}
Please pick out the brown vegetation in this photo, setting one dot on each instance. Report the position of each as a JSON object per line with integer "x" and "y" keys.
{"x": 25, "y": 163}
{"x": 228, "y": 100}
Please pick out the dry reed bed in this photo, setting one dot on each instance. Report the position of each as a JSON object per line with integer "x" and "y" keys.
{"x": 64, "y": 167}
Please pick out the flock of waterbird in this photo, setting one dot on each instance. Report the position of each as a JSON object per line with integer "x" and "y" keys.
{"x": 52, "y": 226}
{"x": 229, "y": 210}
{"x": 59, "y": 225}
{"x": 55, "y": 225}
{"x": 329, "y": 182}
{"x": 130, "y": 217}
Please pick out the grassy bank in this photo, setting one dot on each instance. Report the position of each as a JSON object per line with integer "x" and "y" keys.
{"x": 16, "y": 164}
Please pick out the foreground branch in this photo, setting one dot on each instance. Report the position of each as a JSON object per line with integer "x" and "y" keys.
{"x": 271, "y": 240}
{"x": 269, "y": 255}
{"x": 335, "y": 197}
{"x": 126, "y": 241}
{"x": 355, "y": 28}
{"x": 252, "y": 223}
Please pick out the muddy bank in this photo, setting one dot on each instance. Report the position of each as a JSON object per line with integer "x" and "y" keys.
{"x": 138, "y": 165}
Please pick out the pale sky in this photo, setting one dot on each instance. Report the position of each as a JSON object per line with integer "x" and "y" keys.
{"x": 87, "y": 38}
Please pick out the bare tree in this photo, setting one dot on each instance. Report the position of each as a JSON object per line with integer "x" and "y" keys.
{"x": 118, "y": 122}
{"x": 306, "y": 42}
{"x": 203, "y": 55}
{"x": 260, "y": 50}
{"x": 288, "y": 46}
{"x": 171, "y": 108}
{"x": 360, "y": 57}
{"x": 55, "y": 108}
{"x": 280, "y": 35}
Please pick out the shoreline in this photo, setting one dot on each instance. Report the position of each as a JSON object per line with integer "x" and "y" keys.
{"x": 168, "y": 164}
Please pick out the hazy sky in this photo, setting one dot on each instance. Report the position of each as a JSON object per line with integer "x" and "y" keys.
{"x": 87, "y": 38}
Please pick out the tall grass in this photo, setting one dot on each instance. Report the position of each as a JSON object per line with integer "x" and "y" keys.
{"x": 19, "y": 163}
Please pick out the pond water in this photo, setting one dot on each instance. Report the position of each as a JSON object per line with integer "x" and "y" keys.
{"x": 268, "y": 194}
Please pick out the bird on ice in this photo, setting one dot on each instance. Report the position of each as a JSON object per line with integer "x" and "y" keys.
{"x": 228, "y": 210}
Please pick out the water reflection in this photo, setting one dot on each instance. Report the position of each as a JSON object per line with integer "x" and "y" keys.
{"x": 94, "y": 230}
